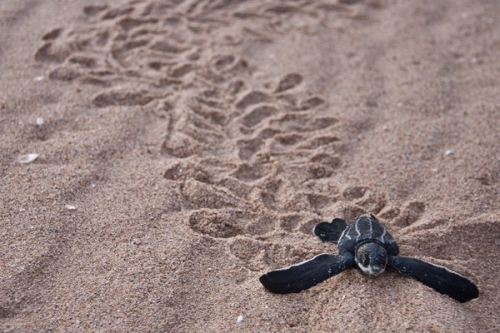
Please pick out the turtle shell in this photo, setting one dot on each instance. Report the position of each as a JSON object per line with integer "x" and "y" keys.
{"x": 366, "y": 229}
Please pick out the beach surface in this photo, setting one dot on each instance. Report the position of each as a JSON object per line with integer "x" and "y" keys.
{"x": 184, "y": 148}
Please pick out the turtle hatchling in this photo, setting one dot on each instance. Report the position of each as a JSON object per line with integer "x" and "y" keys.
{"x": 367, "y": 245}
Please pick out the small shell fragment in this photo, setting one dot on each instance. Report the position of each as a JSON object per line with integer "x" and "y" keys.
{"x": 28, "y": 158}
{"x": 448, "y": 152}
{"x": 239, "y": 319}
{"x": 70, "y": 207}
{"x": 39, "y": 121}
{"x": 39, "y": 78}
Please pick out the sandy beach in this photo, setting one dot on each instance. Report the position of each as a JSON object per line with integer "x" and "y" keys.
{"x": 181, "y": 149}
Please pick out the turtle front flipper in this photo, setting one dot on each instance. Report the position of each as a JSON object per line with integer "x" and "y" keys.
{"x": 437, "y": 277}
{"x": 304, "y": 275}
{"x": 330, "y": 232}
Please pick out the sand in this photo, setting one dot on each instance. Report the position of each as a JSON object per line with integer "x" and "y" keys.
{"x": 187, "y": 147}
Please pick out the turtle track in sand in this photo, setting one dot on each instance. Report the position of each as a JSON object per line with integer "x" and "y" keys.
{"x": 231, "y": 136}
{"x": 139, "y": 55}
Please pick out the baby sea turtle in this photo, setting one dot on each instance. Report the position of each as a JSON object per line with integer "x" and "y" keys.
{"x": 367, "y": 245}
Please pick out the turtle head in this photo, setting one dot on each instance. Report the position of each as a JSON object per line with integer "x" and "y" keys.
{"x": 371, "y": 258}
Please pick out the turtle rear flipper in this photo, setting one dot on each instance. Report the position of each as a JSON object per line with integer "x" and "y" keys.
{"x": 437, "y": 277}
{"x": 307, "y": 274}
{"x": 330, "y": 232}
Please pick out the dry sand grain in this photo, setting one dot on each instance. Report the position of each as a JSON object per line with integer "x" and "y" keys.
{"x": 186, "y": 147}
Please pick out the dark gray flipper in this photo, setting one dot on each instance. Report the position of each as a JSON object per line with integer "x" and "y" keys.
{"x": 304, "y": 275}
{"x": 437, "y": 277}
{"x": 330, "y": 232}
